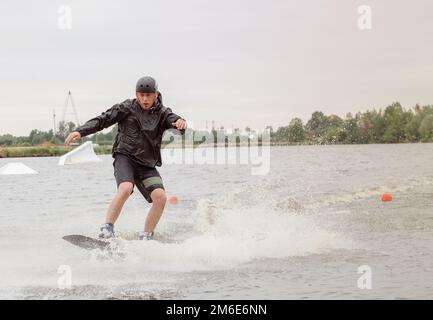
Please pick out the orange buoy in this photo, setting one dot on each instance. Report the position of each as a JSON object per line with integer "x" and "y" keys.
{"x": 386, "y": 197}
{"x": 173, "y": 200}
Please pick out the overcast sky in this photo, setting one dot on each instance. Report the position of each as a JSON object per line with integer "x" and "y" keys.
{"x": 238, "y": 62}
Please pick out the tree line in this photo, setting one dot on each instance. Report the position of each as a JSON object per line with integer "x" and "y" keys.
{"x": 394, "y": 124}
{"x": 38, "y": 137}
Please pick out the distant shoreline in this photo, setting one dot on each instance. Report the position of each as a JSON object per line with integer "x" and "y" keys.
{"x": 44, "y": 151}
{"x": 57, "y": 151}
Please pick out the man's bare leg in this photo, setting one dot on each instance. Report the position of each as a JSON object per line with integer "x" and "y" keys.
{"x": 123, "y": 192}
{"x": 159, "y": 199}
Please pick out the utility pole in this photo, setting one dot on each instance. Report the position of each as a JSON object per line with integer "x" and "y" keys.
{"x": 74, "y": 111}
{"x": 54, "y": 120}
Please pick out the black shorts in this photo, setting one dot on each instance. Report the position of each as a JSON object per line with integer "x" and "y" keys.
{"x": 145, "y": 178}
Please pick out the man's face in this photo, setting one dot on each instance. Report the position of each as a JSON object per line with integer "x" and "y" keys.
{"x": 146, "y": 100}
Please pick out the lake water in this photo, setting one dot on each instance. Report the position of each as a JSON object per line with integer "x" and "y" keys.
{"x": 302, "y": 231}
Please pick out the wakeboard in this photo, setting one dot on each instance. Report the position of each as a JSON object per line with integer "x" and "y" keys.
{"x": 87, "y": 242}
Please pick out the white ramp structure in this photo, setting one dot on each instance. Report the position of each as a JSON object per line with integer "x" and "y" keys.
{"x": 16, "y": 168}
{"x": 81, "y": 154}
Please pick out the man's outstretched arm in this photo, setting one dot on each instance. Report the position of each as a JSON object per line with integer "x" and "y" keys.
{"x": 174, "y": 121}
{"x": 113, "y": 115}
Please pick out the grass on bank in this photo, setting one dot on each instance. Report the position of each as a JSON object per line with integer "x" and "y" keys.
{"x": 43, "y": 151}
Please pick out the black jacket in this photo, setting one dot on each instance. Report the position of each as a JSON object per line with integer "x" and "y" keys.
{"x": 139, "y": 131}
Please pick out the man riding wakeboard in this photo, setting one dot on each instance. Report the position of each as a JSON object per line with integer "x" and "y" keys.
{"x": 136, "y": 151}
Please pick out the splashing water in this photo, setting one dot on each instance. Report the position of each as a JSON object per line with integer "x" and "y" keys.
{"x": 232, "y": 230}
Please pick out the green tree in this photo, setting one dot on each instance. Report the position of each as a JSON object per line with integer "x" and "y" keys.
{"x": 411, "y": 130}
{"x": 295, "y": 131}
{"x": 316, "y": 126}
{"x": 378, "y": 128}
{"x": 333, "y": 132}
{"x": 426, "y": 128}
{"x": 394, "y": 123}
{"x": 282, "y": 134}
{"x": 351, "y": 130}
{"x": 7, "y": 140}
{"x": 36, "y": 137}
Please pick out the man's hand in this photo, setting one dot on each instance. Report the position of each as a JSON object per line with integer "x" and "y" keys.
{"x": 180, "y": 124}
{"x": 72, "y": 137}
